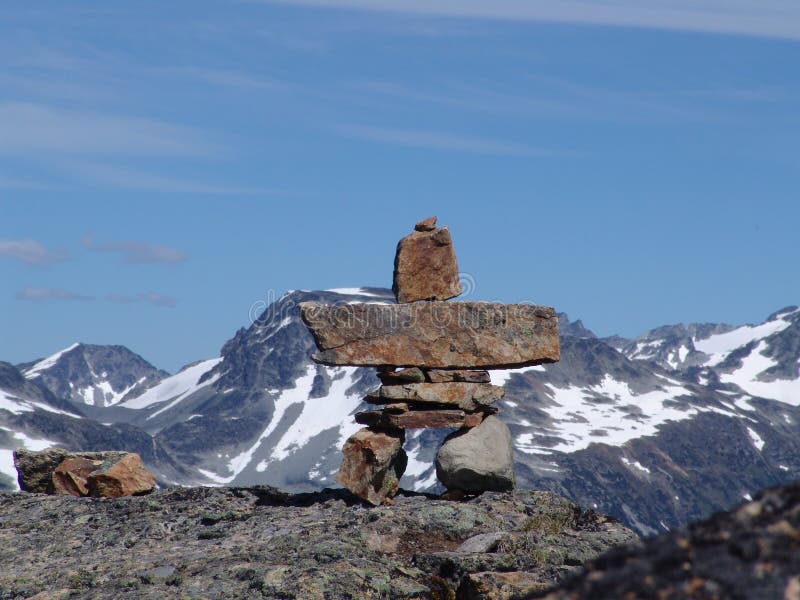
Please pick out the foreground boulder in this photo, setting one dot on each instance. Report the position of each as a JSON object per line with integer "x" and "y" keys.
{"x": 124, "y": 477}
{"x": 478, "y": 459}
{"x": 102, "y": 474}
{"x": 751, "y": 552}
{"x": 262, "y": 543}
{"x": 69, "y": 477}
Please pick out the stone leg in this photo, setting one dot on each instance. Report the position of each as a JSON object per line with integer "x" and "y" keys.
{"x": 373, "y": 463}
{"x": 478, "y": 459}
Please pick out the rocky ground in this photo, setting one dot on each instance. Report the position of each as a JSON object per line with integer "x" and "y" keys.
{"x": 262, "y": 543}
{"x": 749, "y": 553}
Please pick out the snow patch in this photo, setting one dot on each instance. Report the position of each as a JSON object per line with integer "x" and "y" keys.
{"x": 757, "y": 441}
{"x": 353, "y": 291}
{"x": 322, "y": 414}
{"x": 13, "y": 405}
{"x": 317, "y": 415}
{"x": 42, "y": 365}
{"x": 719, "y": 346}
{"x": 7, "y": 455}
{"x": 646, "y": 349}
{"x": 416, "y": 468}
{"x": 636, "y": 464}
{"x": 176, "y": 387}
{"x": 746, "y": 377}
{"x": 18, "y": 406}
{"x": 576, "y": 413}
{"x": 218, "y": 481}
{"x": 501, "y": 376}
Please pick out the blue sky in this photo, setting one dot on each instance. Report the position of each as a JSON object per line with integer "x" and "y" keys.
{"x": 166, "y": 166}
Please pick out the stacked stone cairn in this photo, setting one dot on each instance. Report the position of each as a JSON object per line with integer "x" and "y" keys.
{"x": 432, "y": 358}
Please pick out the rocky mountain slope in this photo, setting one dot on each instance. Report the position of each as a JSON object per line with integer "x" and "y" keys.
{"x": 656, "y": 431}
{"x": 263, "y": 543}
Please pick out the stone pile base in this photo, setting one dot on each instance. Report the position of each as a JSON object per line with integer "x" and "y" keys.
{"x": 476, "y": 458}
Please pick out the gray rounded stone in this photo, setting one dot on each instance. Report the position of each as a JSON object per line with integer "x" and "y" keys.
{"x": 478, "y": 459}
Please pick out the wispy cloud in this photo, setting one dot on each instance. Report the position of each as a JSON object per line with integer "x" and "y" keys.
{"x": 30, "y": 252}
{"x": 227, "y": 78}
{"x": 439, "y": 140}
{"x": 766, "y": 18}
{"x": 154, "y": 298}
{"x": 135, "y": 252}
{"x": 37, "y": 294}
{"x": 38, "y": 129}
{"x": 14, "y": 183}
{"x": 133, "y": 179}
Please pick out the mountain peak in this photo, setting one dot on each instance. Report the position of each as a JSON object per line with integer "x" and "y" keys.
{"x": 93, "y": 374}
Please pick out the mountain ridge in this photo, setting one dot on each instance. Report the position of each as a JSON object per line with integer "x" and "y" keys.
{"x": 623, "y": 425}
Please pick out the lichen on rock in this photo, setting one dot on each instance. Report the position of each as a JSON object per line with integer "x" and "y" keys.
{"x": 263, "y": 543}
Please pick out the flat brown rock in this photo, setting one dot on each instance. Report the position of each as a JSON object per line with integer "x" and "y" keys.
{"x": 419, "y": 419}
{"x": 425, "y": 266}
{"x": 435, "y": 335}
{"x": 35, "y": 468}
{"x": 410, "y": 375}
{"x": 69, "y": 478}
{"x": 373, "y": 463}
{"x": 445, "y": 375}
{"x": 125, "y": 477}
{"x": 466, "y": 396}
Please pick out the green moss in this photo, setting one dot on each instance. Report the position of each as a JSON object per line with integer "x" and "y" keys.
{"x": 80, "y": 579}
{"x": 548, "y": 523}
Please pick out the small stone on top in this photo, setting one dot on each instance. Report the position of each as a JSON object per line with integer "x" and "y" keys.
{"x": 428, "y": 224}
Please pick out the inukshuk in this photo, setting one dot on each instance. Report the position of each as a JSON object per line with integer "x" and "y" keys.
{"x": 432, "y": 358}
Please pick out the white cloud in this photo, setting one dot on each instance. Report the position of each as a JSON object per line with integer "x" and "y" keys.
{"x": 439, "y": 140}
{"x": 24, "y": 184}
{"x": 137, "y": 180}
{"x": 226, "y": 78}
{"x": 30, "y": 252}
{"x": 39, "y": 129}
{"x": 767, "y": 18}
{"x": 135, "y": 252}
{"x": 42, "y": 293}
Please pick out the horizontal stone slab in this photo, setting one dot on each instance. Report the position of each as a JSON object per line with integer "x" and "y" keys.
{"x": 435, "y": 335}
{"x": 417, "y": 375}
{"x": 410, "y": 375}
{"x": 419, "y": 419}
{"x": 466, "y": 396}
{"x": 445, "y": 375}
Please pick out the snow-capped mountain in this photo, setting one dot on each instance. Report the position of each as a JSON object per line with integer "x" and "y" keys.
{"x": 94, "y": 375}
{"x": 658, "y": 430}
{"x": 19, "y": 401}
{"x": 33, "y": 417}
{"x": 263, "y": 412}
{"x": 644, "y": 444}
